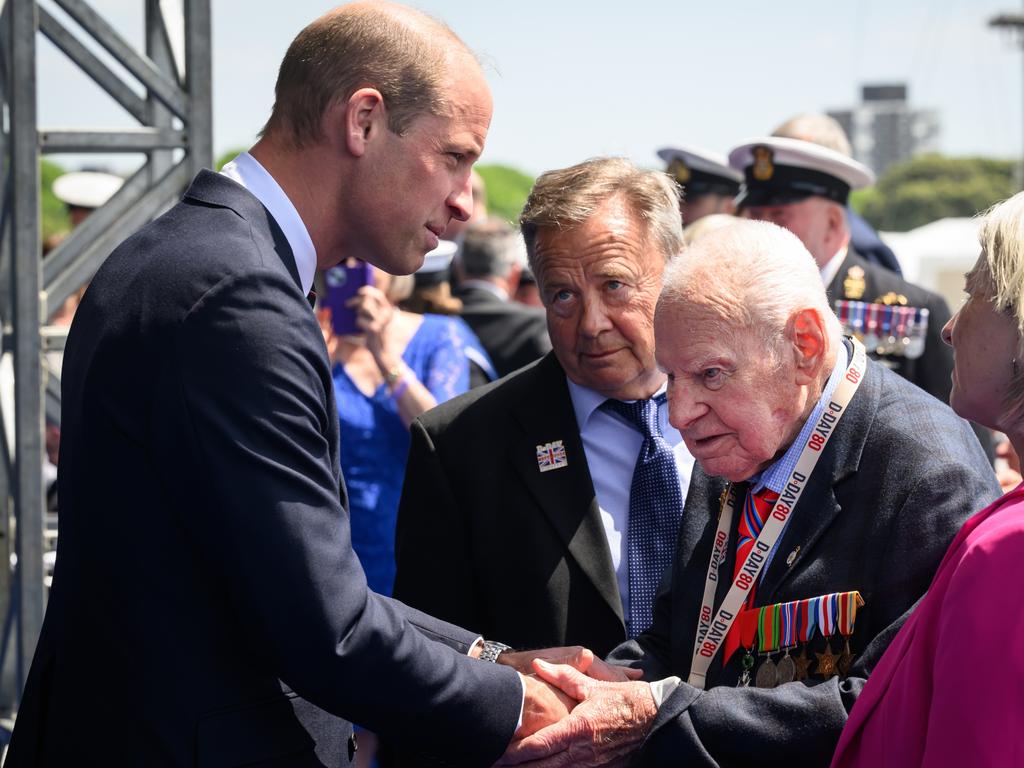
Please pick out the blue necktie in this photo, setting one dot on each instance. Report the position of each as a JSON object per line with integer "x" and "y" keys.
{"x": 655, "y": 509}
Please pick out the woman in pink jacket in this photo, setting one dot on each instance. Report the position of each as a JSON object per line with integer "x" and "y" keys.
{"x": 949, "y": 690}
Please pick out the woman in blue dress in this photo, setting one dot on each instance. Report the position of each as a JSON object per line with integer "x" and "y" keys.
{"x": 397, "y": 366}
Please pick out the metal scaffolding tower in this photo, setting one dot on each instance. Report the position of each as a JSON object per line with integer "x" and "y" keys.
{"x": 169, "y": 96}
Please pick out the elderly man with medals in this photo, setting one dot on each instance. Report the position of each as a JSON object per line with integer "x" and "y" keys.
{"x": 827, "y": 491}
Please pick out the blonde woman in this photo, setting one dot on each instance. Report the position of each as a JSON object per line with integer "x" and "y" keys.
{"x": 949, "y": 691}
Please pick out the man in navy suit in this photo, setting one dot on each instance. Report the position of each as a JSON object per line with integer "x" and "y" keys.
{"x": 207, "y": 608}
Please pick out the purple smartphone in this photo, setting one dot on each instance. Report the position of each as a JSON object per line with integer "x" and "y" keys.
{"x": 343, "y": 282}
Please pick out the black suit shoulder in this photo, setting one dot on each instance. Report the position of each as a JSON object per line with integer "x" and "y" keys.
{"x": 513, "y": 334}
{"x": 479, "y": 407}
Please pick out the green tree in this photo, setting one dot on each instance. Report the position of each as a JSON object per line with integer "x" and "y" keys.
{"x": 230, "y": 155}
{"x": 934, "y": 187}
{"x": 54, "y": 213}
{"x": 507, "y": 190}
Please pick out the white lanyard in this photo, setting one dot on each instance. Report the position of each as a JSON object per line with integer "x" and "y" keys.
{"x": 711, "y": 632}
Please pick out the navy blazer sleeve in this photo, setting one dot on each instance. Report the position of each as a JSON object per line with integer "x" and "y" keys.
{"x": 251, "y": 394}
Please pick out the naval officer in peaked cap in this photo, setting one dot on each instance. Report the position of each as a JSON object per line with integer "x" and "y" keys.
{"x": 707, "y": 183}
{"x": 805, "y": 187}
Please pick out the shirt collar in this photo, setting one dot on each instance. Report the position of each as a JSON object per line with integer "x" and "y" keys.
{"x": 585, "y": 401}
{"x": 484, "y": 285}
{"x": 832, "y": 267}
{"x": 777, "y": 473}
{"x": 247, "y": 171}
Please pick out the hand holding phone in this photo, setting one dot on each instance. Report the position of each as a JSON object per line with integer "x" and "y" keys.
{"x": 343, "y": 283}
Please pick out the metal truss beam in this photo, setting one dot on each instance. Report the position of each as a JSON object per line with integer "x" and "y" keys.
{"x": 171, "y": 101}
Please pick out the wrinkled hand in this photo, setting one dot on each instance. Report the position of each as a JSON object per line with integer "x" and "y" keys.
{"x": 576, "y": 656}
{"x": 543, "y": 705}
{"x": 604, "y": 729}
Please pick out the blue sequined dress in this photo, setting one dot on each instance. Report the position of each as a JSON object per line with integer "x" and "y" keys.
{"x": 374, "y": 442}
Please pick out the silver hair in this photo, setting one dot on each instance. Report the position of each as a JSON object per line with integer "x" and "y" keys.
{"x": 753, "y": 275}
{"x": 1000, "y": 273}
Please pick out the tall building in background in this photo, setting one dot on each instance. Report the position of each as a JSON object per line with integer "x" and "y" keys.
{"x": 885, "y": 130}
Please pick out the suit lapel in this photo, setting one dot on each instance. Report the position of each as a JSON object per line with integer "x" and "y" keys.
{"x": 565, "y": 495}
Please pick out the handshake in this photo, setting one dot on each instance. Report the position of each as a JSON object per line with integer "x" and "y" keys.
{"x": 578, "y": 710}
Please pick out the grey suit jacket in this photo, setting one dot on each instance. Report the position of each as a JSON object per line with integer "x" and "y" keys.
{"x": 898, "y": 478}
{"x": 488, "y": 540}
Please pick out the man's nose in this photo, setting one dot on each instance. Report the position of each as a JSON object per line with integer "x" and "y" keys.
{"x": 684, "y": 406}
{"x": 595, "y": 318}
{"x": 461, "y": 201}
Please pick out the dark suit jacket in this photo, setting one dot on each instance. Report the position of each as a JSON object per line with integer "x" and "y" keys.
{"x": 898, "y": 478}
{"x": 868, "y": 244}
{"x": 931, "y": 371}
{"x": 484, "y": 537}
{"x": 207, "y": 608}
{"x": 513, "y": 334}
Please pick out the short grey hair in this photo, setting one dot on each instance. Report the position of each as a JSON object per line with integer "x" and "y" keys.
{"x": 490, "y": 249}
{"x": 751, "y": 275}
{"x": 567, "y": 198}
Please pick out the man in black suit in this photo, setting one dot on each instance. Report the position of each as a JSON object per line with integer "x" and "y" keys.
{"x": 518, "y": 513}
{"x": 487, "y": 268}
{"x": 845, "y": 481}
{"x": 207, "y": 608}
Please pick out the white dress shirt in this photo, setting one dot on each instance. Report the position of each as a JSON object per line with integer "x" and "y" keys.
{"x": 828, "y": 272}
{"x": 246, "y": 170}
{"x": 612, "y": 444}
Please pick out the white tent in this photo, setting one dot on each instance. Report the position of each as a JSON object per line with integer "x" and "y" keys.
{"x": 936, "y": 256}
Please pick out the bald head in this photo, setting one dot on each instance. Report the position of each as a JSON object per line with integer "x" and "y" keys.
{"x": 406, "y": 55}
{"x": 751, "y": 275}
{"x": 818, "y": 129}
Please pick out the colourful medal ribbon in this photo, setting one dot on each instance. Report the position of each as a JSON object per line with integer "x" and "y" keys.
{"x": 887, "y": 321}
{"x": 857, "y": 318}
{"x": 768, "y": 628}
{"x": 849, "y": 602}
{"x": 827, "y": 608}
{"x": 903, "y": 317}
{"x": 807, "y": 618}
{"x": 843, "y": 312}
{"x": 872, "y": 319}
{"x": 789, "y": 614}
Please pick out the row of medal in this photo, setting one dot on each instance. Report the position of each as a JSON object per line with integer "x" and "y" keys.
{"x": 782, "y": 626}
{"x": 885, "y": 330}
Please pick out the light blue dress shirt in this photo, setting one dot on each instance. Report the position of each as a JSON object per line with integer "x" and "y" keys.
{"x": 611, "y": 445}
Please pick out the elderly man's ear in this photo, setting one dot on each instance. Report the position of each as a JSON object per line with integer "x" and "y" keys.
{"x": 806, "y": 331}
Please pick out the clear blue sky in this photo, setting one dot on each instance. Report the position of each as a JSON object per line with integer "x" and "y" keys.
{"x": 577, "y": 79}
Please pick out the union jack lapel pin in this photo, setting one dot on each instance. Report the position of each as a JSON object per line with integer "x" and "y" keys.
{"x": 551, "y": 456}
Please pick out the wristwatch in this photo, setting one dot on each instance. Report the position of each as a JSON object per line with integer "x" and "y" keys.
{"x": 492, "y": 650}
